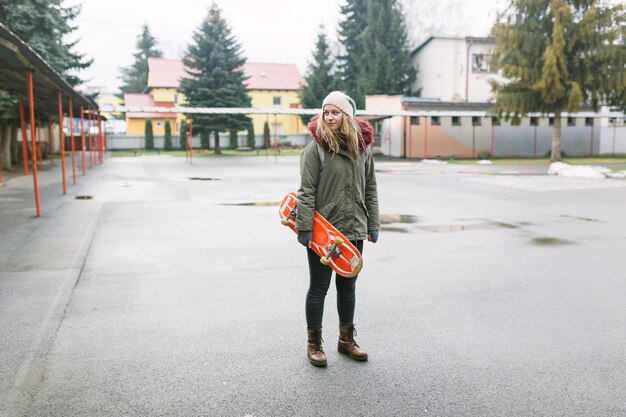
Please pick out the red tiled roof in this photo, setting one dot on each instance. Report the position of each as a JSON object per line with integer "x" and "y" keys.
{"x": 272, "y": 76}
{"x": 144, "y": 100}
{"x": 165, "y": 72}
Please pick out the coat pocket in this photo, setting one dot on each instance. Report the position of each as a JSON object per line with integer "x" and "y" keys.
{"x": 327, "y": 209}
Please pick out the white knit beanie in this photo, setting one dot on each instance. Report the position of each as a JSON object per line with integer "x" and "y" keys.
{"x": 341, "y": 101}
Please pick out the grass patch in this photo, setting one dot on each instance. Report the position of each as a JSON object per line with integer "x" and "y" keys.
{"x": 202, "y": 153}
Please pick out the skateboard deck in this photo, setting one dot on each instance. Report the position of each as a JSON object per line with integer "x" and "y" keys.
{"x": 333, "y": 248}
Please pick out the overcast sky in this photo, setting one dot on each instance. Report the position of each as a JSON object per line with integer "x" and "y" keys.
{"x": 281, "y": 31}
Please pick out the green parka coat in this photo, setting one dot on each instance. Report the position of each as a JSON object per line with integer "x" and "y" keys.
{"x": 344, "y": 192}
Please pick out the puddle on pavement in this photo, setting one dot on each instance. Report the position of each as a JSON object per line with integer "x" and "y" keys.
{"x": 583, "y": 219}
{"x": 203, "y": 179}
{"x": 398, "y": 218}
{"x": 394, "y": 229}
{"x": 83, "y": 197}
{"x": 549, "y": 241}
{"x": 451, "y": 228}
{"x": 255, "y": 204}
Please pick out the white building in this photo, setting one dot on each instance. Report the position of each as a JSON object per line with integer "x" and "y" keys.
{"x": 453, "y": 116}
{"x": 455, "y": 69}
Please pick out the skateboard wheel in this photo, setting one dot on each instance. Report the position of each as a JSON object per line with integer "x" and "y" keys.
{"x": 337, "y": 240}
{"x": 324, "y": 261}
{"x": 284, "y": 222}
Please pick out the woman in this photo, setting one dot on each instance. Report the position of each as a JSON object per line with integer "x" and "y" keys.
{"x": 337, "y": 180}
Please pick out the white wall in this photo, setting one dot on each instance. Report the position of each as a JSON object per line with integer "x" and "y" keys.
{"x": 442, "y": 66}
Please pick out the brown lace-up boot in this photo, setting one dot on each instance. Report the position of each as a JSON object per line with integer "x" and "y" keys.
{"x": 347, "y": 345}
{"x": 314, "y": 350}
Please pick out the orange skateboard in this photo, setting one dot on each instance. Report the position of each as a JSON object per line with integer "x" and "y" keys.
{"x": 333, "y": 248}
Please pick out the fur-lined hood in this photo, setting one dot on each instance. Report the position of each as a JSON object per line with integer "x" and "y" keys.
{"x": 367, "y": 131}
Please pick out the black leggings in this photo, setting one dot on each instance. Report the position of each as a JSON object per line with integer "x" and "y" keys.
{"x": 318, "y": 287}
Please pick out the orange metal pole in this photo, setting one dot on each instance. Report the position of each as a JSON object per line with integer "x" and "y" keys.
{"x": 275, "y": 139}
{"x": 89, "y": 136}
{"x": 72, "y": 144}
{"x": 39, "y": 147}
{"x": 99, "y": 138}
{"x": 190, "y": 139}
{"x": 50, "y": 141}
{"x": 82, "y": 135}
{"x": 31, "y": 102}
{"x": 267, "y": 139}
{"x": 24, "y": 140}
{"x": 61, "y": 140}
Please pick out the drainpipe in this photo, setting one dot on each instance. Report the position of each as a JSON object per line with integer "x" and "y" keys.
{"x": 467, "y": 68}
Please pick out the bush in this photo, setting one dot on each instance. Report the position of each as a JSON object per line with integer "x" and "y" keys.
{"x": 167, "y": 142}
{"x": 251, "y": 142}
{"x": 149, "y": 135}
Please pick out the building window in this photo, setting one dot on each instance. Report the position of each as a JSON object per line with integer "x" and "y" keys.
{"x": 495, "y": 121}
{"x": 612, "y": 120}
{"x": 534, "y": 121}
{"x": 434, "y": 120}
{"x": 588, "y": 121}
{"x": 415, "y": 120}
{"x": 276, "y": 100}
{"x": 476, "y": 121}
{"x": 456, "y": 121}
{"x": 571, "y": 121}
{"x": 480, "y": 63}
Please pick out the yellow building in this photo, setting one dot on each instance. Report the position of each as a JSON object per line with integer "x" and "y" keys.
{"x": 274, "y": 86}
{"x": 163, "y": 80}
{"x": 269, "y": 86}
{"x": 136, "y": 121}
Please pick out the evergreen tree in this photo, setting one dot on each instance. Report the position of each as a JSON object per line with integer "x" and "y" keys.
{"x": 182, "y": 142}
{"x": 251, "y": 137}
{"x": 233, "y": 139}
{"x": 135, "y": 77}
{"x": 45, "y": 26}
{"x": 558, "y": 54}
{"x": 214, "y": 61}
{"x": 167, "y": 139}
{"x": 350, "y": 36}
{"x": 266, "y": 135}
{"x": 377, "y": 57}
{"x": 319, "y": 78}
{"x": 149, "y": 135}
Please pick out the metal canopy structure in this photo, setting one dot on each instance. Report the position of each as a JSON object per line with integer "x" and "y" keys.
{"x": 40, "y": 88}
{"x": 17, "y": 59}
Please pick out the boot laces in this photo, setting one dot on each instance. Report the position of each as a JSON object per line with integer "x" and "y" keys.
{"x": 316, "y": 343}
{"x": 351, "y": 334}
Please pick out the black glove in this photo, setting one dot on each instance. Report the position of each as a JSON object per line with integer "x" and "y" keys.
{"x": 373, "y": 236}
{"x": 304, "y": 237}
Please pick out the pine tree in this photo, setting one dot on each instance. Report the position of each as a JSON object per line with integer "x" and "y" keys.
{"x": 182, "y": 135}
{"x": 350, "y": 36}
{"x": 214, "y": 61}
{"x": 319, "y": 80}
{"x": 251, "y": 138}
{"x": 45, "y": 26}
{"x": 233, "y": 139}
{"x": 558, "y": 54}
{"x": 149, "y": 135}
{"x": 167, "y": 138}
{"x": 378, "y": 57}
{"x": 135, "y": 77}
{"x": 266, "y": 134}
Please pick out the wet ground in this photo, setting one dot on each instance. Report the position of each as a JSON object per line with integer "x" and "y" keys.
{"x": 170, "y": 289}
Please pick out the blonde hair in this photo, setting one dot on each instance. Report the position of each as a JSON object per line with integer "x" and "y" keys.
{"x": 349, "y": 133}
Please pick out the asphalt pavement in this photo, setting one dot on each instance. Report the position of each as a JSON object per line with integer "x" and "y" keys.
{"x": 172, "y": 289}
